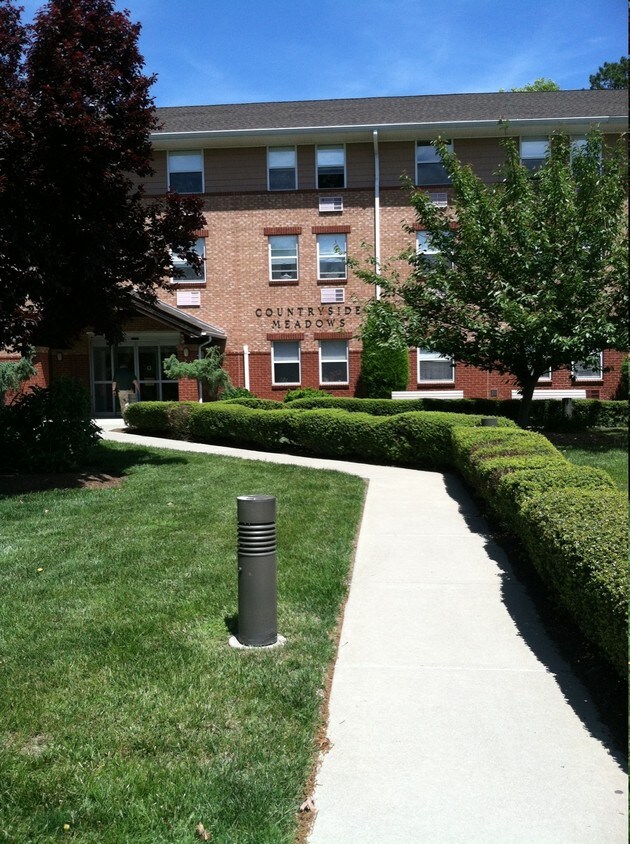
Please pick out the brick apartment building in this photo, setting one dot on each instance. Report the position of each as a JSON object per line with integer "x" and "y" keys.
{"x": 289, "y": 189}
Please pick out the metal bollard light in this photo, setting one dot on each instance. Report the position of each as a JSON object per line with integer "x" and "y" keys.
{"x": 257, "y": 600}
{"x": 489, "y": 421}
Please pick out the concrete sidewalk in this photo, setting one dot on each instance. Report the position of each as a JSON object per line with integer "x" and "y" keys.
{"x": 452, "y": 718}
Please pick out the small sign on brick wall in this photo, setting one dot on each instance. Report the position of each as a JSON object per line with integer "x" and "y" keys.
{"x": 188, "y": 298}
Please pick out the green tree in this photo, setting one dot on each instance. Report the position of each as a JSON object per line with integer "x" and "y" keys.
{"x": 533, "y": 273}
{"x": 611, "y": 75}
{"x": 541, "y": 84}
{"x": 208, "y": 370}
{"x": 385, "y": 356}
{"x": 14, "y": 373}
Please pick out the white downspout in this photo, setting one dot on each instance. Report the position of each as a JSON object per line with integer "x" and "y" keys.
{"x": 246, "y": 366}
{"x": 377, "y": 209}
{"x": 199, "y": 355}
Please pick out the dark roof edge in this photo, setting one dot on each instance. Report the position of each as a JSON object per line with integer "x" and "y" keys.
{"x": 187, "y": 324}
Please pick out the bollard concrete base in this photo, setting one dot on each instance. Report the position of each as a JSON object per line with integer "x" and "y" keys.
{"x": 233, "y": 642}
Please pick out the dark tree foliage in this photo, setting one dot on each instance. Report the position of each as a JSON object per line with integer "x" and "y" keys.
{"x": 77, "y": 114}
{"x": 611, "y": 75}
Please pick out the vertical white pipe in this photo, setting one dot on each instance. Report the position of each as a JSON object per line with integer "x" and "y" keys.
{"x": 246, "y": 366}
{"x": 377, "y": 209}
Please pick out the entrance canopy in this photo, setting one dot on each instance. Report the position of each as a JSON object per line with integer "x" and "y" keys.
{"x": 188, "y": 325}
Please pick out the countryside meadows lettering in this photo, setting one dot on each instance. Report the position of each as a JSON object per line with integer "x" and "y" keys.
{"x": 325, "y": 316}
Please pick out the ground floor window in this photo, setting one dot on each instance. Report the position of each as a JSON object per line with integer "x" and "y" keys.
{"x": 434, "y": 367}
{"x": 333, "y": 361}
{"x": 285, "y": 362}
{"x": 145, "y": 359}
{"x": 590, "y": 370}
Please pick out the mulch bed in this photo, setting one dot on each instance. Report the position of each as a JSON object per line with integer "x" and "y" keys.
{"x": 36, "y": 482}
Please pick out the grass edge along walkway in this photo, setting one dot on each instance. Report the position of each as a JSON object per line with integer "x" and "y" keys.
{"x": 125, "y": 716}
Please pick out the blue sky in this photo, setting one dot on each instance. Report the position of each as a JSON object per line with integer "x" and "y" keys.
{"x": 231, "y": 51}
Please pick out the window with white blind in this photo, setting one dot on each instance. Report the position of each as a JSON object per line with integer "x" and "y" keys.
{"x": 331, "y": 256}
{"x": 282, "y": 168}
{"x": 185, "y": 171}
{"x": 283, "y": 257}
{"x": 333, "y": 361}
{"x": 434, "y": 367}
{"x": 533, "y": 152}
{"x": 331, "y": 167}
{"x": 285, "y": 362}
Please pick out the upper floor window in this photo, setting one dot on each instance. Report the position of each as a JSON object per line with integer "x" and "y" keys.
{"x": 425, "y": 248}
{"x": 432, "y": 367}
{"x": 285, "y": 361}
{"x": 283, "y": 257}
{"x": 590, "y": 370}
{"x": 533, "y": 152}
{"x": 331, "y": 167}
{"x": 429, "y": 167}
{"x": 333, "y": 361}
{"x": 185, "y": 171}
{"x": 331, "y": 256}
{"x": 282, "y": 169}
{"x": 187, "y": 271}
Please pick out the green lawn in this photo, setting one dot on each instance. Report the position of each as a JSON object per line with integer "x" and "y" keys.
{"x": 605, "y": 449}
{"x": 123, "y": 712}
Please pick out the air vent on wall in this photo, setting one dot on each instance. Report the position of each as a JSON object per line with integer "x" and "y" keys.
{"x": 333, "y": 295}
{"x": 440, "y": 199}
{"x": 328, "y": 204}
{"x": 188, "y": 298}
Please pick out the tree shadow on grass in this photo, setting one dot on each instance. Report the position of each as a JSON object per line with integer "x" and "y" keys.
{"x": 592, "y": 689}
{"x": 105, "y": 467}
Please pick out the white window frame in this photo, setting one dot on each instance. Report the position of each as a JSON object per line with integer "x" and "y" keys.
{"x": 297, "y": 258}
{"x": 298, "y": 360}
{"x": 201, "y": 171}
{"x": 546, "y": 377}
{"x": 270, "y": 150}
{"x": 528, "y": 157}
{"x": 426, "y": 355}
{"x": 200, "y": 247}
{"x": 597, "y": 375}
{"x": 435, "y": 160}
{"x": 339, "y": 360}
{"x": 319, "y": 147}
{"x": 342, "y": 254}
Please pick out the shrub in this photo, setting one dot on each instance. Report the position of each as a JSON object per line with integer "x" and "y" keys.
{"x": 233, "y": 392}
{"x": 384, "y": 368}
{"x": 258, "y": 404}
{"x": 149, "y": 416}
{"x": 48, "y": 430}
{"x": 577, "y": 539}
{"x": 305, "y": 393}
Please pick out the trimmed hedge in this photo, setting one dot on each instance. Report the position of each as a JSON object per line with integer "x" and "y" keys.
{"x": 547, "y": 413}
{"x": 571, "y": 521}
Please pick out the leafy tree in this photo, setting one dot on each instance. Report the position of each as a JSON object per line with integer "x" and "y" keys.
{"x": 611, "y": 75}
{"x": 208, "y": 370}
{"x": 15, "y": 373}
{"x": 385, "y": 356}
{"x": 79, "y": 239}
{"x": 541, "y": 84}
{"x": 533, "y": 273}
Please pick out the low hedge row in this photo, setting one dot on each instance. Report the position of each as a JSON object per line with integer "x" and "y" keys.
{"x": 546, "y": 413}
{"x": 571, "y": 521}
{"x": 414, "y": 438}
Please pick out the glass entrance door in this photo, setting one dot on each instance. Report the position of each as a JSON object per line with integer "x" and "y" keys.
{"x": 145, "y": 360}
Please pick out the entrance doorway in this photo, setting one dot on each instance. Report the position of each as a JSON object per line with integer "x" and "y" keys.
{"x": 144, "y": 357}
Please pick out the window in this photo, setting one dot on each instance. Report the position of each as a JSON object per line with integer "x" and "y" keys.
{"x": 432, "y": 367}
{"x": 283, "y": 257}
{"x": 185, "y": 171}
{"x": 545, "y": 378}
{"x": 285, "y": 361}
{"x": 590, "y": 370}
{"x": 331, "y": 167}
{"x": 187, "y": 273}
{"x": 331, "y": 256}
{"x": 333, "y": 361}
{"x": 429, "y": 167}
{"x": 281, "y": 164}
{"x": 425, "y": 248}
{"x": 534, "y": 152}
